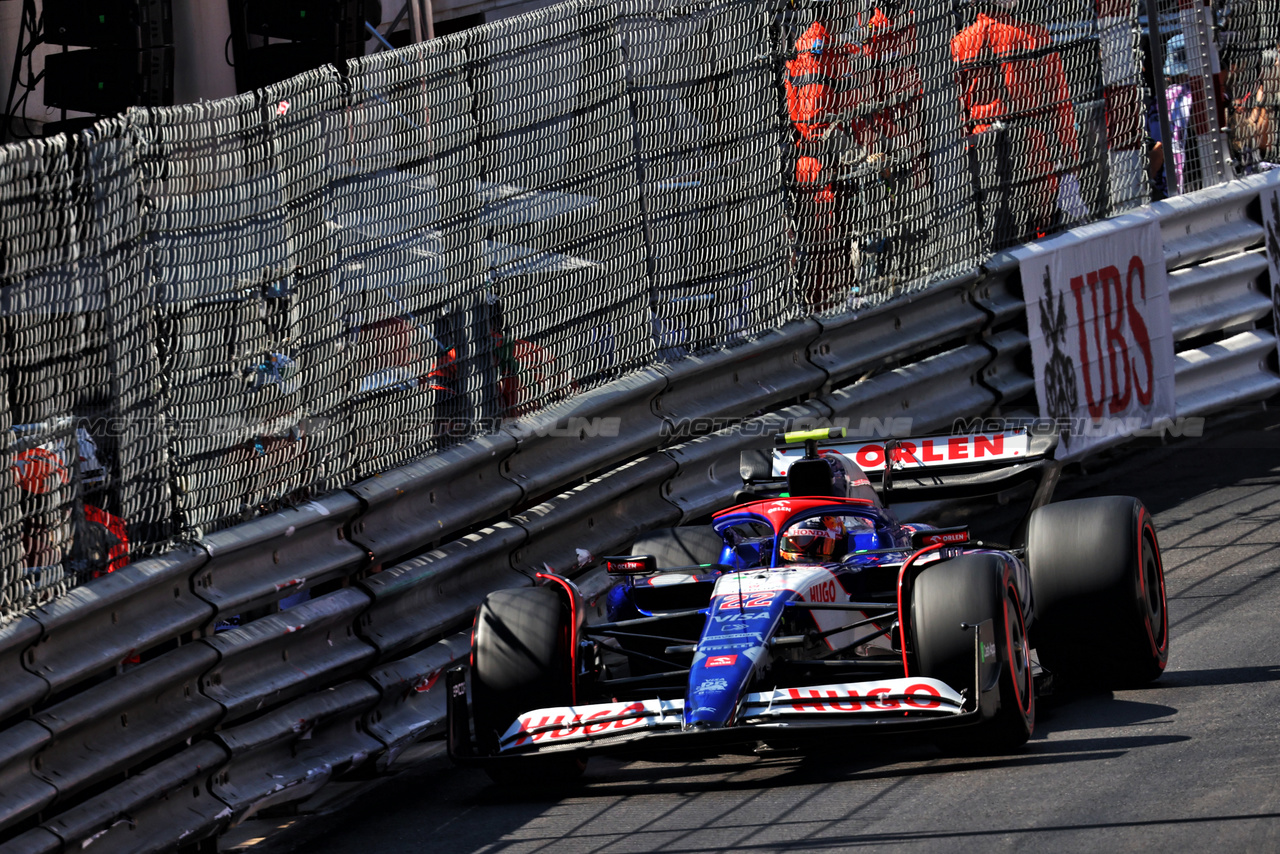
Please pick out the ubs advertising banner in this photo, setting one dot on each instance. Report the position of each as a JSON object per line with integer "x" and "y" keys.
{"x": 1101, "y": 334}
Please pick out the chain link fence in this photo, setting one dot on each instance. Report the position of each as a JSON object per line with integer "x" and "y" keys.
{"x": 1248, "y": 37}
{"x": 702, "y": 95}
{"x": 217, "y": 309}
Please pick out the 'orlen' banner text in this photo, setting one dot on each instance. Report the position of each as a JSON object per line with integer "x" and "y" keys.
{"x": 1101, "y": 334}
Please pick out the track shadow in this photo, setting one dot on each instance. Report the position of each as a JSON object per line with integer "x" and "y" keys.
{"x": 1093, "y": 710}
{"x": 1120, "y": 743}
{"x": 884, "y": 757}
{"x": 1220, "y": 676}
{"x": 910, "y": 757}
{"x": 999, "y": 836}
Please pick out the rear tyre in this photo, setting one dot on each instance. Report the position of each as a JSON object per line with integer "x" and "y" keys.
{"x": 689, "y": 545}
{"x": 1101, "y": 613}
{"x": 521, "y": 662}
{"x": 968, "y": 590}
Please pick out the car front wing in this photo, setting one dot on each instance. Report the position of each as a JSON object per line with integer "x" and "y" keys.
{"x": 900, "y": 704}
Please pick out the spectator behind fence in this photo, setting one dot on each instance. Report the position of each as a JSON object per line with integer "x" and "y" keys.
{"x": 1178, "y": 99}
{"x": 1238, "y": 27}
{"x": 1249, "y": 124}
{"x": 1269, "y": 100}
{"x": 888, "y": 170}
{"x": 1016, "y": 103}
{"x": 1151, "y": 121}
{"x": 1248, "y": 116}
{"x": 816, "y": 83}
{"x": 852, "y": 95}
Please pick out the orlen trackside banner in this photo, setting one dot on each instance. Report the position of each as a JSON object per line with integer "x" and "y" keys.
{"x": 1101, "y": 335}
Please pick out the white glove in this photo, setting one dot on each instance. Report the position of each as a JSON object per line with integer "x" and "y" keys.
{"x": 1070, "y": 201}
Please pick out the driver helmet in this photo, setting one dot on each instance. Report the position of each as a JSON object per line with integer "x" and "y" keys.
{"x": 813, "y": 540}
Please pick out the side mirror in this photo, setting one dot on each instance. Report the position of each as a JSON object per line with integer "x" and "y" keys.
{"x": 755, "y": 465}
{"x": 940, "y": 536}
{"x": 632, "y": 565}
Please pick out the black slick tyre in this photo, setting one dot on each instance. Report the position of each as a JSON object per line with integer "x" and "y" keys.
{"x": 689, "y": 545}
{"x": 966, "y": 591}
{"x": 521, "y": 662}
{"x": 1101, "y": 613}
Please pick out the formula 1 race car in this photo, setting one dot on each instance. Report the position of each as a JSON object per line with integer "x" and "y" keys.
{"x": 809, "y": 608}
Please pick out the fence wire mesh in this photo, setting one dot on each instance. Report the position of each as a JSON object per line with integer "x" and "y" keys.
{"x": 877, "y": 198}
{"x": 919, "y": 131}
{"x": 703, "y": 99}
{"x": 70, "y": 259}
{"x": 1186, "y": 60}
{"x": 240, "y": 264}
{"x": 123, "y": 455}
{"x": 215, "y": 309}
{"x": 1248, "y": 38}
{"x": 421, "y": 372}
{"x": 559, "y": 221}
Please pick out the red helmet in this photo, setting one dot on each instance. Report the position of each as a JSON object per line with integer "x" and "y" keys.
{"x": 813, "y": 540}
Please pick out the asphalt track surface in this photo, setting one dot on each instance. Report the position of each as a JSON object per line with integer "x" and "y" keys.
{"x": 1190, "y": 763}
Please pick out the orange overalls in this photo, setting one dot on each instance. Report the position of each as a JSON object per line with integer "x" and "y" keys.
{"x": 814, "y": 86}
{"x": 1009, "y": 74}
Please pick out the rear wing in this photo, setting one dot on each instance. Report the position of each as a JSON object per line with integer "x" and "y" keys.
{"x": 934, "y": 467}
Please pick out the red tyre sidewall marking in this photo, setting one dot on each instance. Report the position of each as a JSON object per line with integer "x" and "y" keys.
{"x": 572, "y": 633}
{"x": 1018, "y": 689}
{"x": 902, "y": 615}
{"x": 1158, "y": 648}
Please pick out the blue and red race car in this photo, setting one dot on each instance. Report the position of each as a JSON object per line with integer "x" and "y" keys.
{"x": 810, "y": 608}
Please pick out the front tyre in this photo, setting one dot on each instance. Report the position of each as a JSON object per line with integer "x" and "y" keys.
{"x": 521, "y": 662}
{"x": 965, "y": 591}
{"x": 1101, "y": 611}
